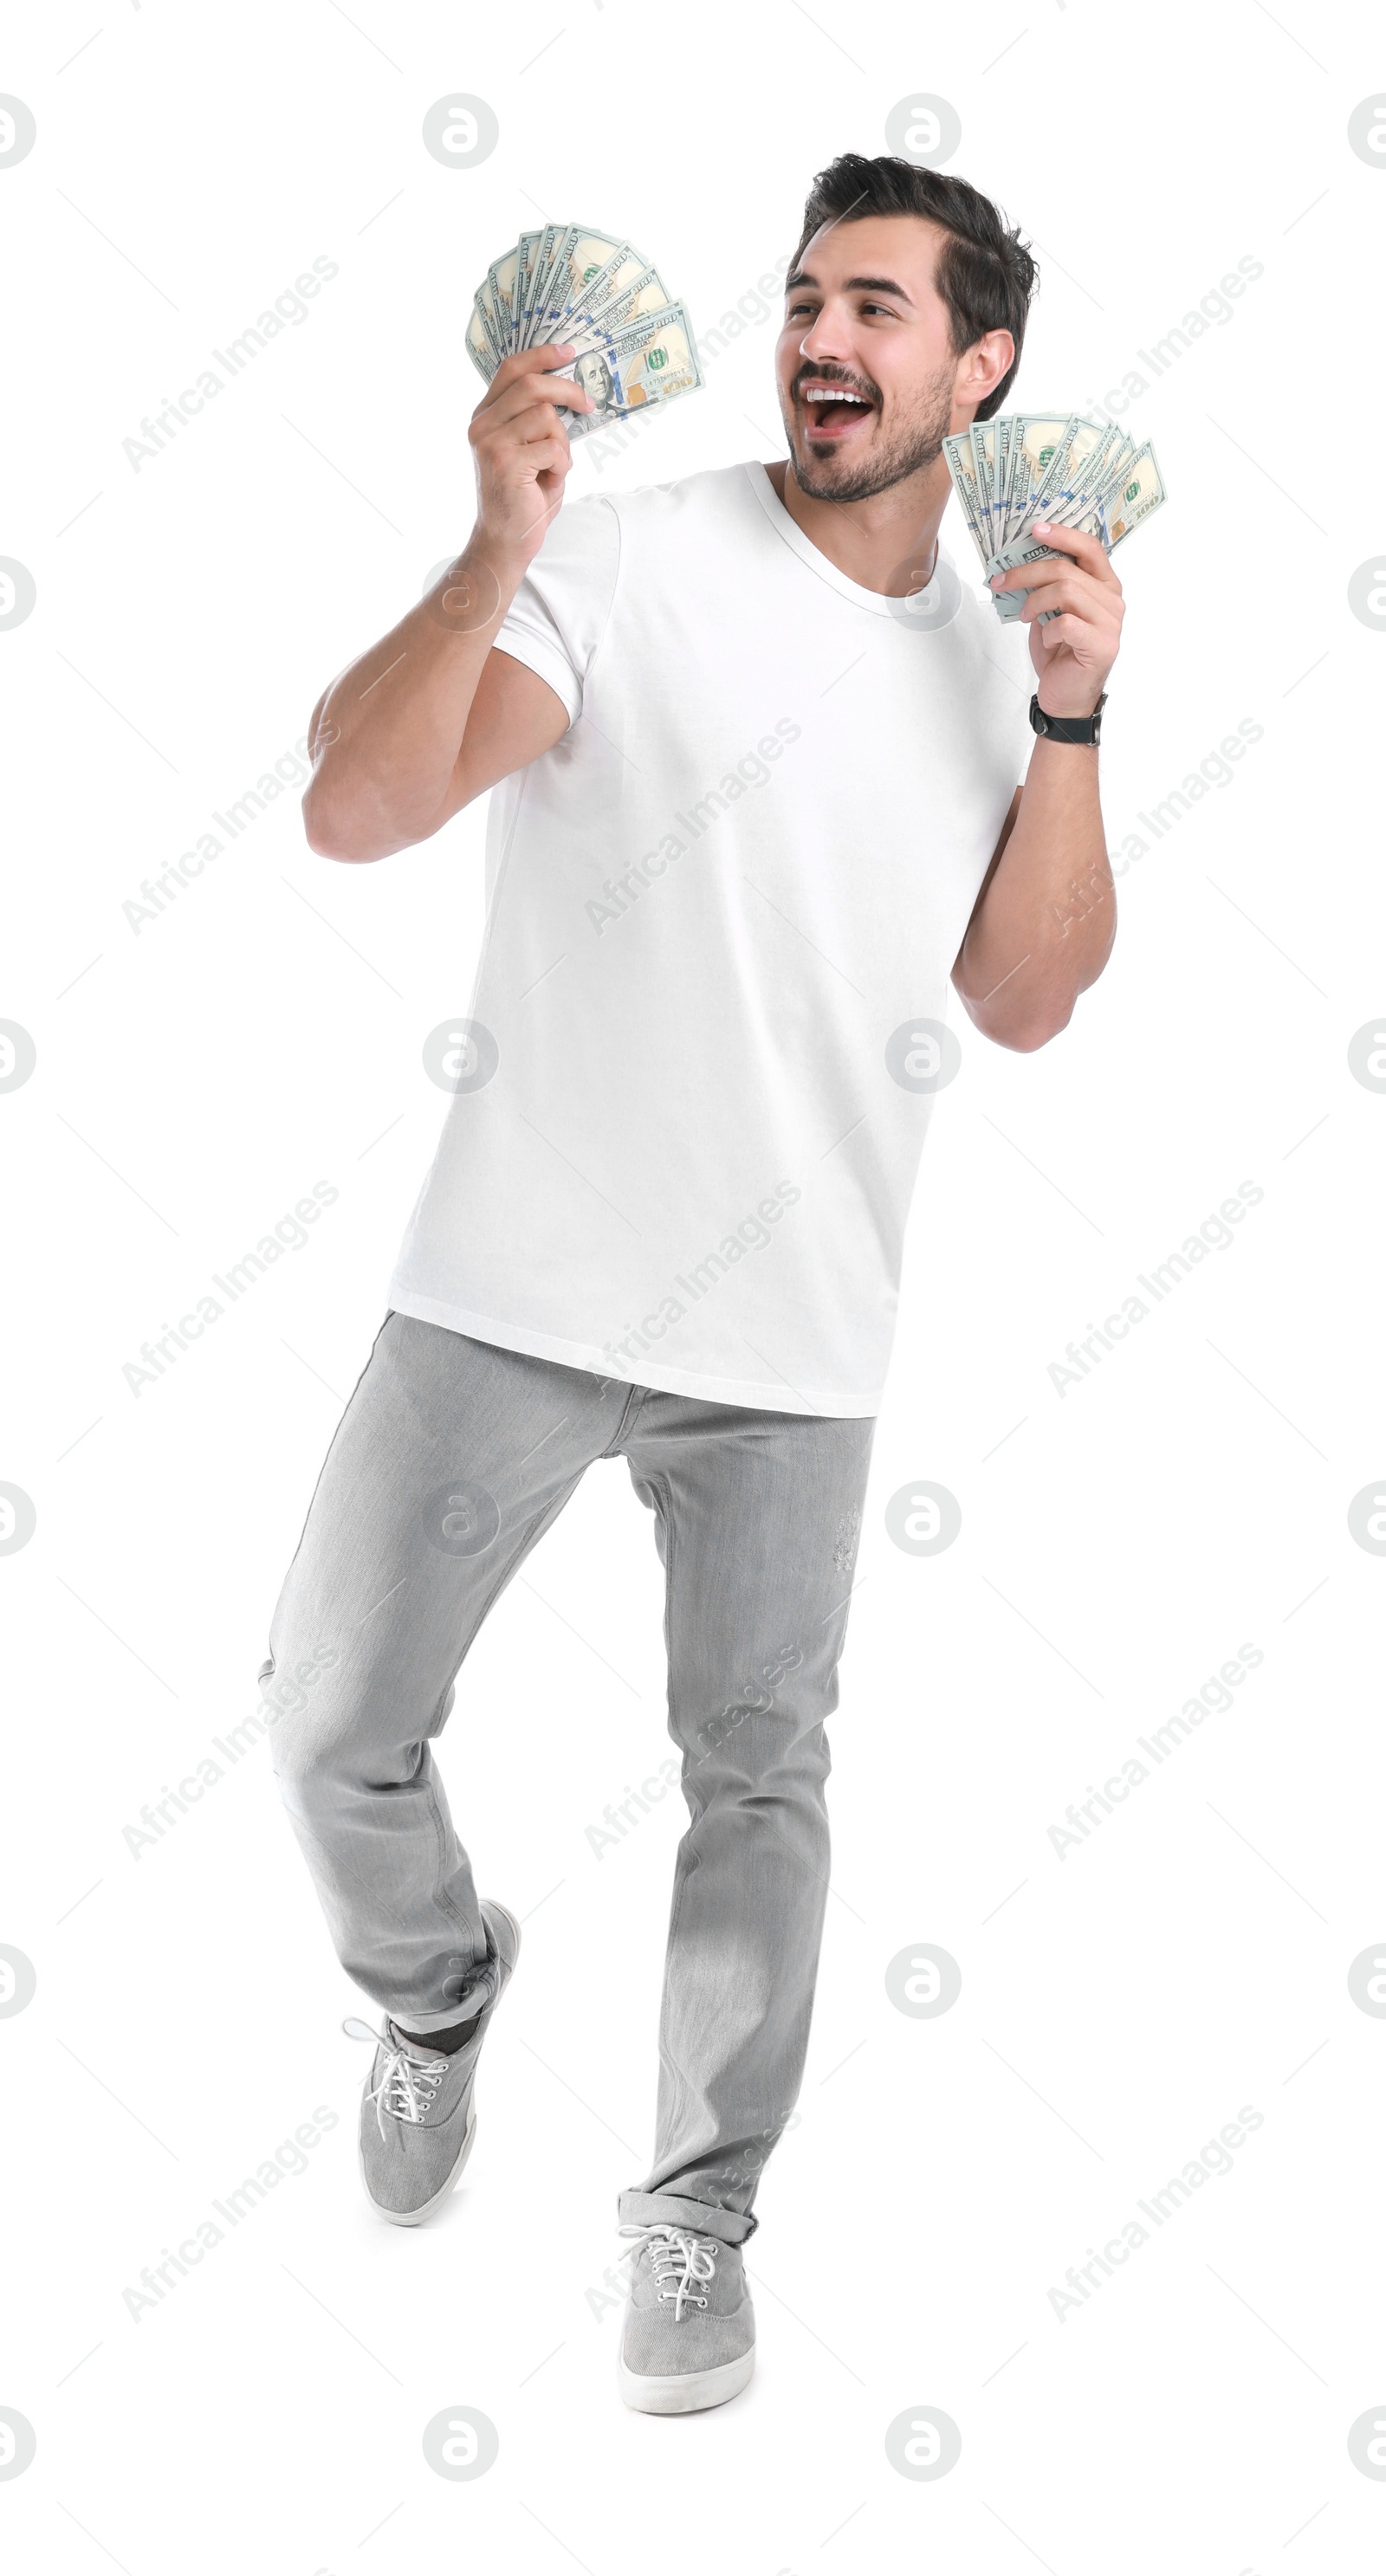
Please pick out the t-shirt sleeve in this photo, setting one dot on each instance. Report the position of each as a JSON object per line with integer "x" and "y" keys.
{"x": 558, "y": 615}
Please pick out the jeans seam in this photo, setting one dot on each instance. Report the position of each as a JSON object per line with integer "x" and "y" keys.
{"x": 532, "y": 1530}
{"x": 682, "y": 1876}
{"x": 633, "y": 1402}
{"x": 269, "y": 1669}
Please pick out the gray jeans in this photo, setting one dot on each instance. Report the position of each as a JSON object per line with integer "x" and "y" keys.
{"x": 452, "y": 1458}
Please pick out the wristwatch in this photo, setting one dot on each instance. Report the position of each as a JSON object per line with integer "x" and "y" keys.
{"x": 1087, "y": 729}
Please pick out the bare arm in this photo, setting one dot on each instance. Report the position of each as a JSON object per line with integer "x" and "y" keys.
{"x": 431, "y": 716}
{"x": 1043, "y": 925}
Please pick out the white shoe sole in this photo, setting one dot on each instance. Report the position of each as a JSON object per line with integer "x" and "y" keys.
{"x": 687, "y": 2391}
{"x": 416, "y": 2217}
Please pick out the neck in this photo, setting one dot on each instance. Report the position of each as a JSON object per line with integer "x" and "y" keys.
{"x": 887, "y": 543}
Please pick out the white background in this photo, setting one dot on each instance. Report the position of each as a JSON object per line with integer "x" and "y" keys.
{"x": 1119, "y": 1541}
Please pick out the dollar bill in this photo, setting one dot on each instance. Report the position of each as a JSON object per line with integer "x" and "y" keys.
{"x": 539, "y": 263}
{"x": 500, "y": 281}
{"x": 650, "y": 361}
{"x": 484, "y": 309}
{"x": 1143, "y": 492}
{"x": 572, "y": 282}
{"x": 957, "y": 450}
{"x": 983, "y": 437}
{"x": 1005, "y": 439}
{"x": 1036, "y": 439}
{"x": 580, "y": 255}
{"x": 480, "y": 346}
{"x": 1094, "y": 455}
{"x": 592, "y": 281}
{"x": 1109, "y": 516}
{"x": 526, "y": 250}
{"x": 1029, "y": 467}
{"x": 603, "y": 320}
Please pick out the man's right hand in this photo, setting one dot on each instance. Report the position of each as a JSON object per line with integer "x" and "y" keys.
{"x": 430, "y": 718}
{"x": 522, "y": 453}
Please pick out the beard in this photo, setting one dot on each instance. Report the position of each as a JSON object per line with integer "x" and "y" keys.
{"x": 895, "y": 454}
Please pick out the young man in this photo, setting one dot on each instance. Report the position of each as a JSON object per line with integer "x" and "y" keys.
{"x": 760, "y": 759}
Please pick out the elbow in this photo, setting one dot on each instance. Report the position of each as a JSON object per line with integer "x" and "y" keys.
{"x": 1022, "y": 1033}
{"x": 1030, "y": 1035}
{"x": 330, "y": 833}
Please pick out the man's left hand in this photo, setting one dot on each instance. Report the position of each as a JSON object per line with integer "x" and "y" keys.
{"x": 1073, "y": 654}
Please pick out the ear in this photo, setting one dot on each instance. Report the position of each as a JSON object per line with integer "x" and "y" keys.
{"x": 982, "y": 367}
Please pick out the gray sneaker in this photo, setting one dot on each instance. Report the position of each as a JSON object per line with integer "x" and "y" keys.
{"x": 689, "y": 2337}
{"x": 418, "y": 2114}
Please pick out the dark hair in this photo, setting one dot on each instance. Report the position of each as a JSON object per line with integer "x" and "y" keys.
{"x": 985, "y": 274}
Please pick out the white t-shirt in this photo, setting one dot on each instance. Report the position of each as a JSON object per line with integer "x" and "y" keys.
{"x": 719, "y": 913}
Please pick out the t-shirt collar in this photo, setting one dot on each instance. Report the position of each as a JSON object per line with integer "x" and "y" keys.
{"x": 808, "y": 553}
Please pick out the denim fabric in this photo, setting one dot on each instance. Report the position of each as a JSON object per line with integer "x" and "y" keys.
{"x": 452, "y": 1458}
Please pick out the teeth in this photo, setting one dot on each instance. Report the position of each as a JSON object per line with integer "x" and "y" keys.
{"x": 834, "y": 393}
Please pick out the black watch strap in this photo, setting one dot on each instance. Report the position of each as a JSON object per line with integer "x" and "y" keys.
{"x": 1084, "y": 729}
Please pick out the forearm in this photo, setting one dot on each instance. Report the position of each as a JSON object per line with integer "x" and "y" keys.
{"x": 388, "y": 733}
{"x": 1045, "y": 929}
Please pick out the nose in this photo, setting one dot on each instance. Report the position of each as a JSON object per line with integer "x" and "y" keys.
{"x": 825, "y": 338}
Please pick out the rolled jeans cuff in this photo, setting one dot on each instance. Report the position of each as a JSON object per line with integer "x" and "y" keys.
{"x": 482, "y": 1986}
{"x": 703, "y": 2217}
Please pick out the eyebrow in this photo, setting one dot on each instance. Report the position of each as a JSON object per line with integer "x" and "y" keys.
{"x": 871, "y": 285}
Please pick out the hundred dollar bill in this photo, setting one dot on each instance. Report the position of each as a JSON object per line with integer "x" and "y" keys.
{"x": 983, "y": 437}
{"x": 1110, "y": 516}
{"x": 1005, "y": 435}
{"x": 480, "y": 346}
{"x": 543, "y": 258}
{"x": 579, "y": 256}
{"x": 650, "y": 361}
{"x": 1037, "y": 438}
{"x": 958, "y": 450}
{"x": 1142, "y": 492}
{"x": 1026, "y": 468}
{"x": 1099, "y": 455}
{"x": 601, "y": 321}
{"x": 524, "y": 283}
{"x": 500, "y": 280}
{"x": 1084, "y": 481}
{"x": 537, "y": 266}
{"x": 1058, "y": 486}
{"x": 593, "y": 281}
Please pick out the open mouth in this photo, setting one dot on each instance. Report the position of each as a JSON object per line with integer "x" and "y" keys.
{"x": 833, "y": 411}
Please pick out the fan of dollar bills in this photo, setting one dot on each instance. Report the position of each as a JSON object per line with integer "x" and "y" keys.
{"x": 1083, "y": 474}
{"x": 568, "y": 283}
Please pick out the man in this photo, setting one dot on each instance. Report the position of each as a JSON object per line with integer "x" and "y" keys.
{"x": 757, "y": 756}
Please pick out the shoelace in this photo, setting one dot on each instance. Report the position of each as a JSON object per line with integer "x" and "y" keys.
{"x": 408, "y": 2084}
{"x": 677, "y": 2259}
